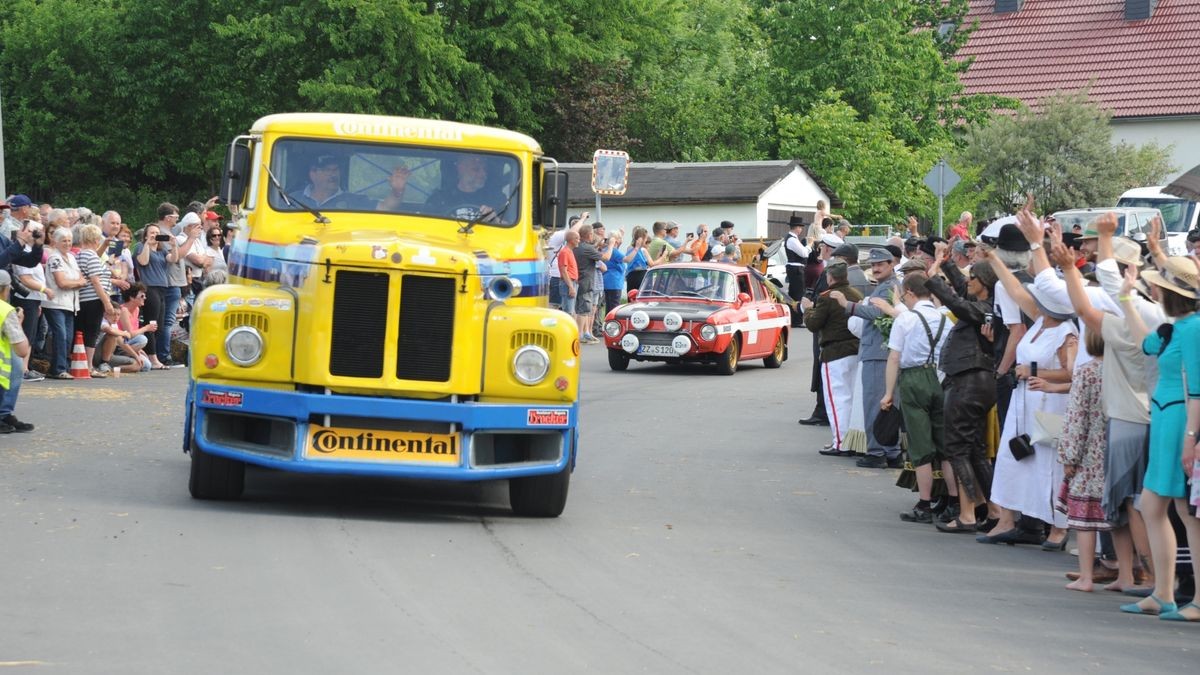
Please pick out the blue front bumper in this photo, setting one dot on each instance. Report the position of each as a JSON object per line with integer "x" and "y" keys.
{"x": 297, "y": 408}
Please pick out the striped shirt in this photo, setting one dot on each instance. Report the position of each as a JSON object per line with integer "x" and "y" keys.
{"x": 91, "y": 266}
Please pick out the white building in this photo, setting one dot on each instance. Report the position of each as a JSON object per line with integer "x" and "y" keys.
{"x": 757, "y": 197}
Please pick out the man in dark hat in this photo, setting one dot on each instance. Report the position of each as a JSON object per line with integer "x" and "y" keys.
{"x": 797, "y": 256}
{"x": 848, "y": 253}
{"x": 873, "y": 354}
{"x": 839, "y": 353}
{"x": 1009, "y": 323}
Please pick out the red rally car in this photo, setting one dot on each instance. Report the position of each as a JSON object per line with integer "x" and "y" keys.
{"x": 700, "y": 312}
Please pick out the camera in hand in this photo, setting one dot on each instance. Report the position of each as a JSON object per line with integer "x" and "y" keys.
{"x": 162, "y": 237}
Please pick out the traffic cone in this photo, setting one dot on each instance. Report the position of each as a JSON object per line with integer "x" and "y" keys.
{"x": 79, "y": 361}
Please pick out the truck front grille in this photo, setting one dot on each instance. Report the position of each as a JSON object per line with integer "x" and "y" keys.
{"x": 360, "y": 311}
{"x": 426, "y": 328}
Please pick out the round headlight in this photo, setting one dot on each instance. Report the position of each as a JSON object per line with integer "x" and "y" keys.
{"x": 639, "y": 320}
{"x": 530, "y": 364}
{"x": 612, "y": 329}
{"x": 629, "y": 343}
{"x": 244, "y": 345}
{"x": 682, "y": 344}
{"x": 708, "y": 332}
{"x": 673, "y": 321}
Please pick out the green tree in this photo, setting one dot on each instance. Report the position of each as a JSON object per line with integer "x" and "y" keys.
{"x": 1063, "y": 153}
{"x": 887, "y": 58}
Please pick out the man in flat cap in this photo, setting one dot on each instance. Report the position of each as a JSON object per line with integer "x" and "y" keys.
{"x": 839, "y": 353}
{"x": 873, "y": 354}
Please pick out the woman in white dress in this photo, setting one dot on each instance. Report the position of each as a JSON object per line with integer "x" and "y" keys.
{"x": 1028, "y": 486}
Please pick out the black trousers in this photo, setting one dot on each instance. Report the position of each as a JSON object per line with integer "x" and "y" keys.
{"x": 155, "y": 309}
{"x": 795, "y": 289}
{"x": 968, "y": 398}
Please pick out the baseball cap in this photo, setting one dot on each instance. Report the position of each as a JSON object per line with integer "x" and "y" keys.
{"x": 18, "y": 201}
{"x": 848, "y": 251}
{"x": 960, "y": 246}
{"x": 189, "y": 218}
{"x": 211, "y": 215}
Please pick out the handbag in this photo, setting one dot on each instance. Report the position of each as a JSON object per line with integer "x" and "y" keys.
{"x": 1021, "y": 445}
{"x": 1047, "y": 427}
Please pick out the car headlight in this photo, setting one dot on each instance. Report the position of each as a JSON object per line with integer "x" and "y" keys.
{"x": 639, "y": 320}
{"x": 708, "y": 332}
{"x": 530, "y": 364}
{"x": 612, "y": 329}
{"x": 244, "y": 345}
{"x": 672, "y": 321}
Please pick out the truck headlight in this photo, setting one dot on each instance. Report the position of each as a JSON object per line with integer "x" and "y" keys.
{"x": 530, "y": 364}
{"x": 244, "y": 345}
{"x": 708, "y": 332}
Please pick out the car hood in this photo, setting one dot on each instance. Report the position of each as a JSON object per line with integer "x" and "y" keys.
{"x": 689, "y": 311}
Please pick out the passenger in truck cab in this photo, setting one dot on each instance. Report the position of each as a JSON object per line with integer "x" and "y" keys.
{"x": 470, "y": 195}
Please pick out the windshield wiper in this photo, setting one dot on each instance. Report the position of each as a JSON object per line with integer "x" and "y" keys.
{"x": 289, "y": 198}
{"x": 687, "y": 294}
{"x": 470, "y": 226}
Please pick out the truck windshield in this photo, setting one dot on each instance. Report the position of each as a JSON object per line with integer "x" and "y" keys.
{"x": 340, "y": 176}
{"x": 690, "y": 282}
{"x": 1177, "y": 213}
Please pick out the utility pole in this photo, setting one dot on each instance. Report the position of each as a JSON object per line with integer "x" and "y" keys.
{"x": 3, "y": 187}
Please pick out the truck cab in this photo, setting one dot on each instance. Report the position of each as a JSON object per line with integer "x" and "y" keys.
{"x": 387, "y": 311}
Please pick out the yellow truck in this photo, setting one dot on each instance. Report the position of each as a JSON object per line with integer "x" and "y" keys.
{"x": 386, "y": 312}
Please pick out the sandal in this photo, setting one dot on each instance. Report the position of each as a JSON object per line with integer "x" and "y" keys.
{"x": 1177, "y": 614}
{"x": 1163, "y": 608}
{"x": 160, "y": 367}
{"x": 62, "y": 376}
{"x": 98, "y": 374}
{"x": 955, "y": 526}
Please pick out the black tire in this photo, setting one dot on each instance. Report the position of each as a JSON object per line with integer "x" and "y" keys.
{"x": 728, "y": 363}
{"x": 540, "y": 496}
{"x": 618, "y": 360}
{"x": 779, "y": 354}
{"x": 215, "y": 477}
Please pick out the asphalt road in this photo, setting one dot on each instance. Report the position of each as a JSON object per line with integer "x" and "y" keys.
{"x": 703, "y": 535}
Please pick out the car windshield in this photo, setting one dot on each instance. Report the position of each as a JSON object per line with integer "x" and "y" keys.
{"x": 690, "y": 282}
{"x": 340, "y": 176}
{"x": 1176, "y": 213}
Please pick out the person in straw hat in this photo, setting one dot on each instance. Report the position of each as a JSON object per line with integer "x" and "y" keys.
{"x": 1174, "y": 419}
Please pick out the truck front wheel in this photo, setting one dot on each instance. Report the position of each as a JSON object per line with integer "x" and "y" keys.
{"x": 215, "y": 477}
{"x": 540, "y": 496}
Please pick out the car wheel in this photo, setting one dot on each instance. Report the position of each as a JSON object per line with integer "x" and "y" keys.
{"x": 540, "y": 496}
{"x": 215, "y": 477}
{"x": 617, "y": 359}
{"x": 728, "y": 363}
{"x": 779, "y": 354}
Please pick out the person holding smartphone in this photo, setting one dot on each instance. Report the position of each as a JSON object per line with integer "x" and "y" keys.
{"x": 152, "y": 256}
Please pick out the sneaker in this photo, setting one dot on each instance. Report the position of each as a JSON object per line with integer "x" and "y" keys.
{"x": 62, "y": 376}
{"x": 32, "y": 376}
{"x": 872, "y": 462}
{"x": 104, "y": 368}
{"x": 917, "y": 516}
{"x": 16, "y": 424}
{"x": 949, "y": 514}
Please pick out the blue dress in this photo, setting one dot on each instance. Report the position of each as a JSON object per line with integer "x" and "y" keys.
{"x": 1168, "y": 412}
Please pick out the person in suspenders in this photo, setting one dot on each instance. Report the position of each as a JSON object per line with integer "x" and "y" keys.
{"x": 916, "y": 343}
{"x": 797, "y": 257}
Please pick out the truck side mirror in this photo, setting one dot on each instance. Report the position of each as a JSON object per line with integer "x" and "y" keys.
{"x": 235, "y": 174}
{"x": 554, "y": 199}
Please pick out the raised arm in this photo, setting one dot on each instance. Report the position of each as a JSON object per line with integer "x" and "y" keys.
{"x": 1013, "y": 286}
{"x": 1091, "y": 317}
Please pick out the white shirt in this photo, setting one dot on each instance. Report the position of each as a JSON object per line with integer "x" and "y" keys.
{"x": 555, "y": 244}
{"x": 1047, "y": 284}
{"x": 1109, "y": 276}
{"x": 908, "y": 336}
{"x": 795, "y": 245}
{"x": 38, "y": 272}
{"x": 64, "y": 299}
{"x": 1006, "y": 308}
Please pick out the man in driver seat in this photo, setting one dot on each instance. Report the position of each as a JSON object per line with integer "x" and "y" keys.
{"x": 324, "y": 181}
{"x": 471, "y": 196}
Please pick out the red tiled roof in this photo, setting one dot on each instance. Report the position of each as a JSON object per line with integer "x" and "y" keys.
{"x": 1134, "y": 68}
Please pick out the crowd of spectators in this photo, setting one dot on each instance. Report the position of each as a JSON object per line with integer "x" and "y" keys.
{"x": 77, "y": 277}
{"x": 590, "y": 268}
{"x": 1047, "y": 382}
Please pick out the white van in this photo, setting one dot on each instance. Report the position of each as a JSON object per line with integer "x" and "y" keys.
{"x": 1179, "y": 215}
